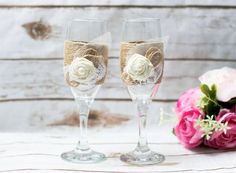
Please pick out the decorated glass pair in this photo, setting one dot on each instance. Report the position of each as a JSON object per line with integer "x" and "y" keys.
{"x": 85, "y": 69}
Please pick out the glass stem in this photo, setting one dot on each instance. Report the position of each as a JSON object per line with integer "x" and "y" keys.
{"x": 142, "y": 106}
{"x": 84, "y": 105}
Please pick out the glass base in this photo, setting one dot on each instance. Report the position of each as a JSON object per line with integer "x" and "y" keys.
{"x": 78, "y": 156}
{"x": 137, "y": 157}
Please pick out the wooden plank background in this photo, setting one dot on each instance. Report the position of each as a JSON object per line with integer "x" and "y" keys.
{"x": 202, "y": 36}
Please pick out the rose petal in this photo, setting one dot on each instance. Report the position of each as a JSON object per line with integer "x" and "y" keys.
{"x": 222, "y": 78}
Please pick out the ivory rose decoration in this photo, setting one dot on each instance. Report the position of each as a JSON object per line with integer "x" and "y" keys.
{"x": 225, "y": 81}
{"x": 81, "y": 70}
{"x": 139, "y": 67}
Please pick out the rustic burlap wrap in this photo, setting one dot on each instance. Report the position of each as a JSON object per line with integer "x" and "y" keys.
{"x": 151, "y": 50}
{"x": 94, "y": 52}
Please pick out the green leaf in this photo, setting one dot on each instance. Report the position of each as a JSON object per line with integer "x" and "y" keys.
{"x": 213, "y": 92}
{"x": 203, "y": 102}
{"x": 228, "y": 104}
{"x": 209, "y": 103}
{"x": 212, "y": 109}
{"x": 205, "y": 89}
{"x": 232, "y": 101}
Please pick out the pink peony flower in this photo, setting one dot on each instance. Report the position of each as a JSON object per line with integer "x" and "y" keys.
{"x": 189, "y": 135}
{"x": 219, "y": 139}
{"x": 223, "y": 78}
{"x": 233, "y": 109}
{"x": 188, "y": 99}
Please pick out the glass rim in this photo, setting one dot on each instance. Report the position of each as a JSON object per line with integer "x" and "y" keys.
{"x": 142, "y": 19}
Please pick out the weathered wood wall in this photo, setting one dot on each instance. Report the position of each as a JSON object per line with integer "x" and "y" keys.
{"x": 202, "y": 36}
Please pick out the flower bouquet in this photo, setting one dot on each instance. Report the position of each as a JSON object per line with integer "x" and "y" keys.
{"x": 207, "y": 114}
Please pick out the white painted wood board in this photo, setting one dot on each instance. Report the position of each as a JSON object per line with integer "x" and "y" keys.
{"x": 38, "y": 115}
{"x": 30, "y": 79}
{"x": 21, "y": 152}
{"x": 117, "y": 3}
{"x": 194, "y": 33}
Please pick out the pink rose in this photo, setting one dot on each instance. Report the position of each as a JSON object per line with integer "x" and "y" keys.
{"x": 233, "y": 109}
{"x": 222, "y": 140}
{"x": 189, "y": 135}
{"x": 188, "y": 99}
{"x": 223, "y": 78}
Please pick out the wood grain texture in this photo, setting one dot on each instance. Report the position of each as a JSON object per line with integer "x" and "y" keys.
{"x": 39, "y": 115}
{"x": 32, "y": 80}
{"x": 194, "y": 33}
{"x": 169, "y": 3}
{"x": 34, "y": 97}
{"x": 41, "y": 153}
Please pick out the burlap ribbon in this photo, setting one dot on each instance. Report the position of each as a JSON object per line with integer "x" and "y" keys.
{"x": 94, "y": 52}
{"x": 151, "y": 50}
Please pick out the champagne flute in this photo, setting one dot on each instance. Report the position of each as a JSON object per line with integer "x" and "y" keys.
{"x": 142, "y": 63}
{"x": 85, "y": 68}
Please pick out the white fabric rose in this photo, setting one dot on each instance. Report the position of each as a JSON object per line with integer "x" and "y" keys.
{"x": 225, "y": 81}
{"x": 139, "y": 67}
{"x": 81, "y": 70}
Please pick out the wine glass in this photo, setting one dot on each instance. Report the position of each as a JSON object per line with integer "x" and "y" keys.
{"x": 142, "y": 63}
{"x": 85, "y": 69}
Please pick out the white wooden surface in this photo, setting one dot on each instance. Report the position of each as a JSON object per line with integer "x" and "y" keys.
{"x": 37, "y": 116}
{"x": 201, "y": 37}
{"x": 194, "y": 33}
{"x": 44, "y": 79}
{"x": 182, "y": 3}
{"x": 34, "y": 98}
{"x": 31, "y": 153}
{"x": 32, "y": 92}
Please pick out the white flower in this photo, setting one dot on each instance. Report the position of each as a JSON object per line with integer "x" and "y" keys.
{"x": 81, "y": 70}
{"x": 225, "y": 81}
{"x": 139, "y": 67}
